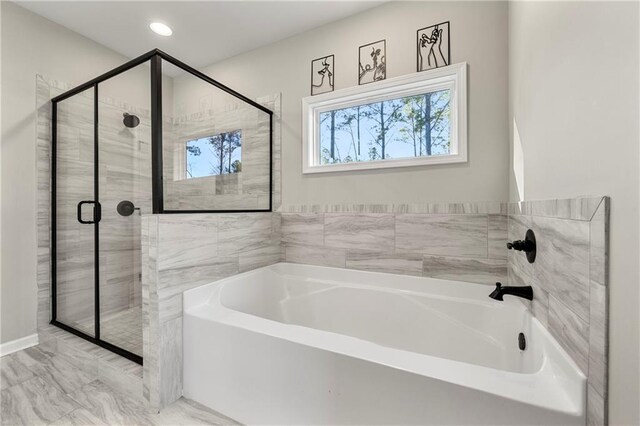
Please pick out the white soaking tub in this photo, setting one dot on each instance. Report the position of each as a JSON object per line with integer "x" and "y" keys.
{"x": 298, "y": 344}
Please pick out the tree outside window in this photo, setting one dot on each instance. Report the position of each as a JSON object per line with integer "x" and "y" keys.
{"x": 214, "y": 155}
{"x": 412, "y": 126}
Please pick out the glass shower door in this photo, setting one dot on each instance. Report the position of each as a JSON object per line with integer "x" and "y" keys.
{"x": 124, "y": 156}
{"x": 102, "y": 180}
{"x": 76, "y": 213}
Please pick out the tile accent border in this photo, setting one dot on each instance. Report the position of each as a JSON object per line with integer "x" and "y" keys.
{"x": 580, "y": 208}
{"x": 570, "y": 280}
{"x": 429, "y": 208}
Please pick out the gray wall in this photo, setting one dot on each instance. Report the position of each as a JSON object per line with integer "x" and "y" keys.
{"x": 574, "y": 111}
{"x": 479, "y": 36}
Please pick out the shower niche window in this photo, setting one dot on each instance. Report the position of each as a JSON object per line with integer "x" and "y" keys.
{"x": 140, "y": 140}
{"x": 214, "y": 155}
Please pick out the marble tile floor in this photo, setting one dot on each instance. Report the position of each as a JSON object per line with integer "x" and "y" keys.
{"x": 123, "y": 329}
{"x": 40, "y": 387}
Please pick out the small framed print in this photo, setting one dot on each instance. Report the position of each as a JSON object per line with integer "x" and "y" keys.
{"x": 372, "y": 62}
{"x": 434, "y": 47}
{"x": 322, "y": 75}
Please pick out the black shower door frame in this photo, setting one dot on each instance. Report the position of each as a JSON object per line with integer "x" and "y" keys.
{"x": 155, "y": 57}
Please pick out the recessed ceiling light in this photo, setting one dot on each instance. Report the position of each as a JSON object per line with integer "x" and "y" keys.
{"x": 161, "y": 29}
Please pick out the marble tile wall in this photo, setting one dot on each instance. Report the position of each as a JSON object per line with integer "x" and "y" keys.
{"x": 246, "y": 241}
{"x": 569, "y": 278}
{"x": 463, "y": 242}
{"x": 248, "y": 189}
{"x": 43, "y": 142}
{"x": 182, "y": 251}
{"x": 75, "y": 241}
{"x": 124, "y": 173}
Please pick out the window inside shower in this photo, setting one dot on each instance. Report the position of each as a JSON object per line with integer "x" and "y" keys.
{"x": 214, "y": 155}
{"x": 124, "y": 145}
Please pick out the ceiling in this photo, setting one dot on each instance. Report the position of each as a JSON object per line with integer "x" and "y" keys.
{"x": 203, "y": 32}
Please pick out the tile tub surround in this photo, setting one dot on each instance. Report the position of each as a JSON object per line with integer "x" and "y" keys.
{"x": 182, "y": 251}
{"x": 464, "y": 242}
{"x": 570, "y": 284}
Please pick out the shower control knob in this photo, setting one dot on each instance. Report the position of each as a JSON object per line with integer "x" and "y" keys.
{"x": 518, "y": 245}
{"x": 528, "y": 245}
{"x": 130, "y": 120}
{"x": 125, "y": 208}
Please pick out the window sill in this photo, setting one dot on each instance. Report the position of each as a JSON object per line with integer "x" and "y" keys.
{"x": 386, "y": 164}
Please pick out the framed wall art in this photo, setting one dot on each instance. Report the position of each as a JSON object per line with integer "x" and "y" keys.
{"x": 372, "y": 63}
{"x": 434, "y": 47}
{"x": 322, "y": 75}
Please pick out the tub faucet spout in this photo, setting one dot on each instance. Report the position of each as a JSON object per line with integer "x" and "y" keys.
{"x": 526, "y": 292}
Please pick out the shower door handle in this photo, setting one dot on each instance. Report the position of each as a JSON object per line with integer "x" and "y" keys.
{"x": 97, "y": 212}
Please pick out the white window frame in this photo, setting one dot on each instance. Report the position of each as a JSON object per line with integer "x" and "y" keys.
{"x": 452, "y": 77}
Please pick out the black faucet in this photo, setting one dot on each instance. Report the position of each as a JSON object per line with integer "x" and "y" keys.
{"x": 526, "y": 292}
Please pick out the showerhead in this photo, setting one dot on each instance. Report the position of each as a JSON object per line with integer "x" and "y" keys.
{"x": 130, "y": 120}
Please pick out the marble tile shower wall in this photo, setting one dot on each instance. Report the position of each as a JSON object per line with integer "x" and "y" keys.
{"x": 569, "y": 278}
{"x": 124, "y": 175}
{"x": 256, "y": 236}
{"x": 463, "y": 242}
{"x": 43, "y": 158}
{"x": 248, "y": 189}
{"x": 181, "y": 252}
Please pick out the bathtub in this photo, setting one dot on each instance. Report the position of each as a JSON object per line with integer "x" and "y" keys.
{"x": 298, "y": 344}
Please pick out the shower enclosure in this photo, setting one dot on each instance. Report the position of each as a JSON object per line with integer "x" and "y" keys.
{"x": 151, "y": 136}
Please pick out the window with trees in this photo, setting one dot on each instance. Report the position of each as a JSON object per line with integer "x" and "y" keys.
{"x": 412, "y": 120}
{"x": 214, "y": 155}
